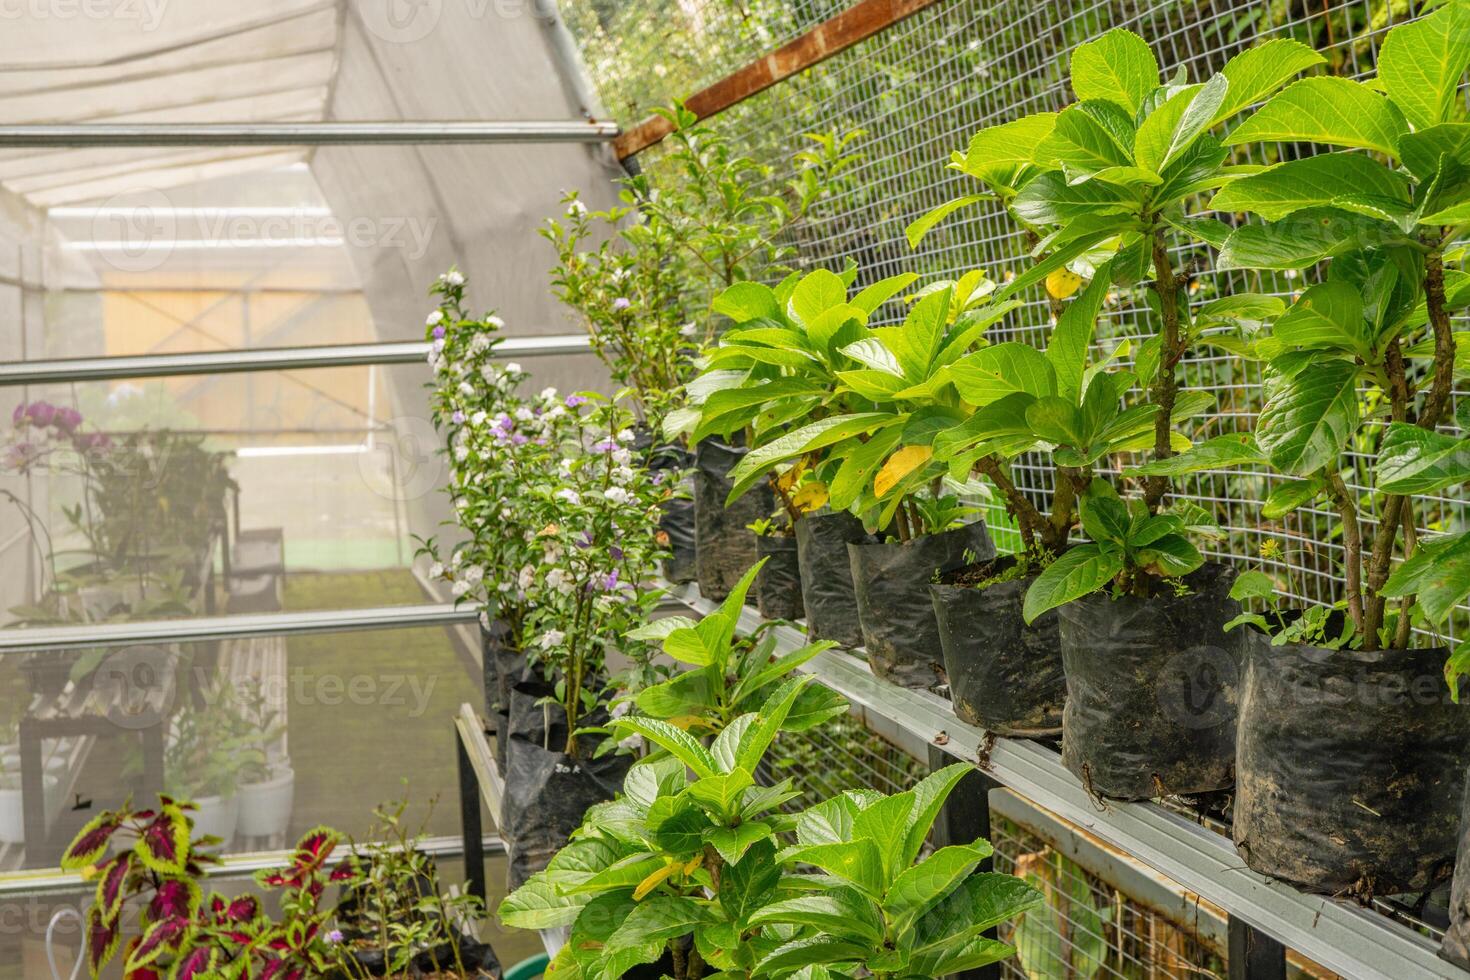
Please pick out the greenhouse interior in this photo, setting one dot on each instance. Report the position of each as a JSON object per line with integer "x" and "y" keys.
{"x": 734, "y": 489}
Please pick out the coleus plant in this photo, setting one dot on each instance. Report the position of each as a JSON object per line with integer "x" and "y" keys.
{"x": 146, "y": 864}
{"x": 1109, "y": 177}
{"x": 729, "y": 675}
{"x": 1372, "y": 341}
{"x": 871, "y": 400}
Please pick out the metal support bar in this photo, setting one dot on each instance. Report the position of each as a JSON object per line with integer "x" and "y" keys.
{"x": 67, "y": 370}
{"x": 469, "y": 816}
{"x": 306, "y": 133}
{"x": 964, "y": 817}
{"x": 1254, "y": 955}
{"x": 238, "y": 627}
{"x": 1335, "y": 934}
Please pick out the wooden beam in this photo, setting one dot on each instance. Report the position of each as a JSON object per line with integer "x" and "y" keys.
{"x": 855, "y": 24}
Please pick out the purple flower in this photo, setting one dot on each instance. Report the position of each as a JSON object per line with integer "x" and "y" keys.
{"x": 574, "y": 400}
{"x": 658, "y": 478}
{"x": 616, "y": 552}
{"x": 622, "y": 303}
{"x": 42, "y": 413}
{"x": 335, "y": 936}
{"x": 439, "y": 332}
{"x": 519, "y": 439}
{"x": 610, "y": 580}
{"x": 605, "y": 446}
{"x": 585, "y": 541}
{"x": 67, "y": 420}
{"x": 457, "y": 418}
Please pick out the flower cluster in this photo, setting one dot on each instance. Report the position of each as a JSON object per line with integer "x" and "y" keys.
{"x": 42, "y": 429}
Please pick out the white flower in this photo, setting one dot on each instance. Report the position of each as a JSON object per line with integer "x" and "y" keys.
{"x": 576, "y": 207}
{"x": 461, "y": 453}
{"x": 513, "y": 367}
{"x": 569, "y": 495}
{"x": 479, "y": 343}
{"x": 479, "y": 418}
{"x": 460, "y": 588}
{"x": 436, "y": 570}
{"x": 617, "y": 495}
{"x": 488, "y": 372}
{"x": 435, "y": 318}
{"x": 527, "y": 577}
{"x": 621, "y": 456}
{"x": 626, "y": 436}
{"x": 548, "y": 394}
{"x": 454, "y": 278}
{"x": 438, "y": 345}
{"x": 466, "y": 389}
{"x": 524, "y": 414}
{"x": 550, "y": 639}
{"x": 688, "y": 330}
{"x": 623, "y": 474}
{"x": 495, "y": 322}
{"x": 559, "y": 580}
{"x": 474, "y": 574}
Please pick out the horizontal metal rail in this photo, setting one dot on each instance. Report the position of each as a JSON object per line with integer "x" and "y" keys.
{"x": 1340, "y": 936}
{"x": 306, "y": 133}
{"x": 26, "y": 884}
{"x": 66, "y": 370}
{"x": 236, "y": 627}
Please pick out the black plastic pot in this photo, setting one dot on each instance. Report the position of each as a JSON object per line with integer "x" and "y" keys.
{"x": 1151, "y": 689}
{"x": 1004, "y": 676}
{"x": 891, "y": 581}
{"x": 548, "y": 791}
{"x": 676, "y": 515}
{"x": 504, "y": 666}
{"x": 778, "y": 583}
{"x": 724, "y": 545}
{"x": 827, "y": 593}
{"x": 1456, "y": 943}
{"x": 478, "y": 959}
{"x": 1350, "y": 768}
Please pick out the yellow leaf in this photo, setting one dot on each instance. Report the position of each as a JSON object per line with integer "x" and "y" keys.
{"x": 811, "y": 497}
{"x": 1063, "y": 283}
{"x": 788, "y": 479}
{"x": 687, "y": 722}
{"x": 693, "y": 864}
{"x": 654, "y": 880}
{"x": 900, "y": 465}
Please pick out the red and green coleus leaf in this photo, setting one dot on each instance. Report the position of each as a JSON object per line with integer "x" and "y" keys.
{"x": 91, "y": 841}
{"x": 164, "y": 844}
{"x": 163, "y": 937}
{"x": 194, "y": 963}
{"x": 112, "y": 888}
{"x": 245, "y": 908}
{"x": 315, "y": 846}
{"x": 174, "y": 898}
{"x": 281, "y": 969}
{"x": 103, "y": 936}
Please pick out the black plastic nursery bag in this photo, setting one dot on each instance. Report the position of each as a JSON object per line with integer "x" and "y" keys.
{"x": 827, "y": 592}
{"x": 725, "y": 547}
{"x": 778, "y": 584}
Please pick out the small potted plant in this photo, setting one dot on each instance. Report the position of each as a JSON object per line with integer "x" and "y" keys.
{"x": 267, "y": 784}
{"x": 778, "y": 584}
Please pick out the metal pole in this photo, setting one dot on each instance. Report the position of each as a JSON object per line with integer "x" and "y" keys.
{"x": 264, "y": 359}
{"x": 964, "y": 817}
{"x": 469, "y": 816}
{"x": 1253, "y": 954}
{"x": 306, "y": 133}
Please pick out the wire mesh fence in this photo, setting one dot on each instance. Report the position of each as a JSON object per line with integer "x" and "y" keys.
{"x": 919, "y": 90}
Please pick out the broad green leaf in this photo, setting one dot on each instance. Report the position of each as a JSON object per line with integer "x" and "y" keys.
{"x": 722, "y": 792}
{"x": 655, "y": 920}
{"x": 539, "y": 904}
{"x": 918, "y": 887}
{"x": 750, "y": 883}
{"x": 1415, "y": 460}
{"x": 1287, "y": 497}
{"x": 679, "y": 743}
{"x": 916, "y": 342}
{"x": 1056, "y": 260}
{"x": 1171, "y": 556}
{"x": 1057, "y": 421}
{"x": 814, "y": 706}
{"x": 1437, "y": 574}
{"x": 816, "y": 435}
{"x": 1090, "y": 137}
{"x": 1257, "y": 72}
{"x": 733, "y": 842}
{"x": 1421, "y": 151}
{"x": 877, "y": 386}
{"x": 980, "y": 903}
{"x": 758, "y": 738}
{"x": 817, "y": 291}
{"x": 1325, "y": 109}
{"x": 1242, "y": 307}
{"x": 1117, "y": 67}
{"x": 805, "y": 951}
{"x": 880, "y": 292}
{"x": 1174, "y": 126}
{"x": 1079, "y": 572}
{"x": 828, "y": 822}
{"x": 929, "y": 795}
{"x": 857, "y": 861}
{"x": 1066, "y": 351}
{"x": 1050, "y": 200}
{"x": 722, "y": 405}
{"x": 1251, "y": 584}
{"x": 920, "y": 227}
{"x": 625, "y": 873}
{"x": 840, "y": 912}
{"x": 1010, "y": 143}
{"x": 746, "y": 301}
{"x": 1306, "y": 239}
{"x": 976, "y": 952}
{"x": 1308, "y": 419}
{"x": 1221, "y": 452}
{"x": 992, "y": 373}
{"x": 859, "y": 463}
{"x": 885, "y": 822}
{"x": 1421, "y": 62}
{"x": 646, "y": 781}
{"x": 1328, "y": 316}
{"x": 1350, "y": 181}
{"x": 1446, "y": 200}
{"x": 875, "y": 355}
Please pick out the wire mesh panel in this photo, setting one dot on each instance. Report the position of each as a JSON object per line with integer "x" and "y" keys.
{"x": 920, "y": 89}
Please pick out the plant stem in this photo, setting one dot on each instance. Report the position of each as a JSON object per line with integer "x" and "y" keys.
{"x": 1352, "y": 541}
{"x": 1017, "y": 505}
{"x": 1444, "y": 342}
{"x": 1411, "y": 544}
{"x": 1166, "y": 386}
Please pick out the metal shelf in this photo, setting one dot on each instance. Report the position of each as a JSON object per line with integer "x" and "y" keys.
{"x": 1340, "y": 936}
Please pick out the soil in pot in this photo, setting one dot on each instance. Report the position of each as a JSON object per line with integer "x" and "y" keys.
{"x": 1152, "y": 688}
{"x": 1350, "y": 768}
{"x": 778, "y": 583}
{"x": 546, "y": 790}
{"x": 891, "y": 581}
{"x": 725, "y": 547}
{"x": 1004, "y": 675}
{"x": 827, "y": 593}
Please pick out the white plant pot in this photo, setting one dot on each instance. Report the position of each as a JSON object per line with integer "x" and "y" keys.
{"x": 217, "y": 817}
{"x": 265, "y": 807}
